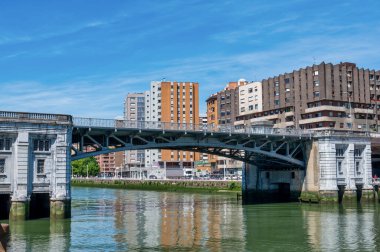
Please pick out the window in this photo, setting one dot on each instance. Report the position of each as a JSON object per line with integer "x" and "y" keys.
{"x": 250, "y": 107}
{"x": 256, "y": 106}
{"x": 339, "y": 167}
{"x": 316, "y": 83}
{"x": 250, "y": 90}
{"x": 276, "y": 83}
{"x": 357, "y": 167}
{"x": 5, "y": 143}
{"x": 276, "y": 102}
{"x": 293, "y": 175}
{"x": 41, "y": 145}
{"x": 40, "y": 166}
{"x": 2, "y": 166}
{"x": 316, "y": 94}
{"x": 358, "y": 152}
{"x": 315, "y": 73}
{"x": 287, "y": 80}
{"x": 339, "y": 152}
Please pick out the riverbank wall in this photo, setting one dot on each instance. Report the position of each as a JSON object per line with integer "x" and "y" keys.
{"x": 207, "y": 186}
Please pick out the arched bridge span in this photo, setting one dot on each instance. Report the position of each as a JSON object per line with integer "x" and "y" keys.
{"x": 263, "y": 146}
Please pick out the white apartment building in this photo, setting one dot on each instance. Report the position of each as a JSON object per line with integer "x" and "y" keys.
{"x": 153, "y": 113}
{"x": 134, "y": 110}
{"x": 250, "y": 98}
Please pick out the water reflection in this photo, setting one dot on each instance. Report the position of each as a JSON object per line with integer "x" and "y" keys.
{"x": 122, "y": 220}
{"x": 39, "y": 235}
{"x": 353, "y": 228}
{"x": 172, "y": 220}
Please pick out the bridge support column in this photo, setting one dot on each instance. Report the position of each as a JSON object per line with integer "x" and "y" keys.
{"x": 249, "y": 182}
{"x": 359, "y": 192}
{"x": 19, "y": 209}
{"x": 60, "y": 208}
{"x": 341, "y": 189}
{"x": 338, "y": 169}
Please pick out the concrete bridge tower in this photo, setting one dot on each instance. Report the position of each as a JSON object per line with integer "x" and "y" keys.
{"x": 337, "y": 167}
{"x": 35, "y": 165}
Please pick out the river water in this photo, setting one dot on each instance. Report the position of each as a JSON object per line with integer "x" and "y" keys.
{"x": 130, "y": 220}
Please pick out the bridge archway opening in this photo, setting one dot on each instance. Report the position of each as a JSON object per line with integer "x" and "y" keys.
{"x": 39, "y": 206}
{"x": 5, "y": 203}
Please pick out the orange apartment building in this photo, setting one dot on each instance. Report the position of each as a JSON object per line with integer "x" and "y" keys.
{"x": 173, "y": 102}
{"x": 212, "y": 119}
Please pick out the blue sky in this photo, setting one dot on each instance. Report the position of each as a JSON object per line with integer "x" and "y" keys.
{"x": 83, "y": 57}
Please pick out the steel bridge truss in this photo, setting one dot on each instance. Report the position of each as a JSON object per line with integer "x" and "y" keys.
{"x": 258, "y": 149}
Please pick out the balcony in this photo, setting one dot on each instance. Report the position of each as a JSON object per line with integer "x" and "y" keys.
{"x": 363, "y": 111}
{"x": 317, "y": 120}
{"x": 283, "y": 124}
{"x": 290, "y": 113}
{"x": 325, "y": 108}
{"x": 267, "y": 117}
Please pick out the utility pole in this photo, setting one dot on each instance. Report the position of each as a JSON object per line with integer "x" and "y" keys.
{"x": 224, "y": 170}
{"x": 87, "y": 171}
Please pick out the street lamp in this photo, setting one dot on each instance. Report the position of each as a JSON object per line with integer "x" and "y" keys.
{"x": 140, "y": 169}
{"x": 224, "y": 169}
{"x": 350, "y": 108}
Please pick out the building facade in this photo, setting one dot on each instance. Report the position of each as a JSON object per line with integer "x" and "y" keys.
{"x": 250, "y": 98}
{"x": 134, "y": 110}
{"x": 212, "y": 121}
{"x": 340, "y": 97}
{"x": 172, "y": 102}
{"x": 226, "y": 107}
{"x": 228, "y": 102}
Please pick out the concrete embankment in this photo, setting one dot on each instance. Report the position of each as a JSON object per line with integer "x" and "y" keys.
{"x": 164, "y": 185}
{"x": 4, "y": 231}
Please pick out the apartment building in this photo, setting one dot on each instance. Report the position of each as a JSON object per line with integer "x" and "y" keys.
{"x": 340, "y": 97}
{"x": 172, "y": 102}
{"x": 228, "y": 102}
{"x": 250, "y": 98}
{"x": 212, "y": 110}
{"x": 212, "y": 121}
{"x": 108, "y": 163}
{"x": 134, "y": 110}
{"x": 222, "y": 109}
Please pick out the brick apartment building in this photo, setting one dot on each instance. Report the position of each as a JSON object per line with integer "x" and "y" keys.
{"x": 340, "y": 97}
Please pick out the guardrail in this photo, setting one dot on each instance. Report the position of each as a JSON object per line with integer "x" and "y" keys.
{"x": 126, "y": 124}
{"x": 6, "y": 115}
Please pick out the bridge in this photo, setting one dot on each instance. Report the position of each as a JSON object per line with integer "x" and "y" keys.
{"x": 36, "y": 150}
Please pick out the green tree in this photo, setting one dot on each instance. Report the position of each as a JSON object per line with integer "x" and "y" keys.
{"x": 80, "y": 167}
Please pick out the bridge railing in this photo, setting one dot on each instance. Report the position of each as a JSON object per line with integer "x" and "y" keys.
{"x": 126, "y": 124}
{"x": 14, "y": 116}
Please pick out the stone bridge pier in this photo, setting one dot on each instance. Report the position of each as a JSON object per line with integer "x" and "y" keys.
{"x": 35, "y": 165}
{"x": 337, "y": 169}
